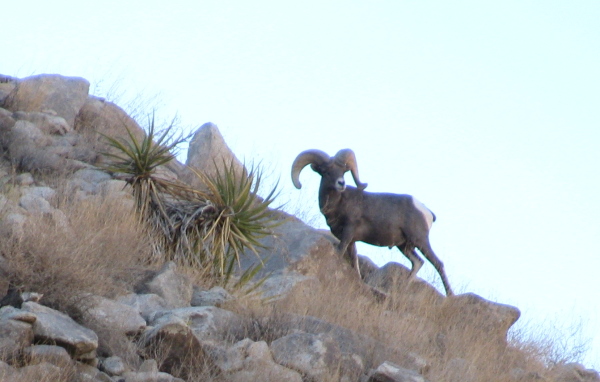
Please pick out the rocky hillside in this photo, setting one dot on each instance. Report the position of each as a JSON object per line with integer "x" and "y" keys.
{"x": 85, "y": 301}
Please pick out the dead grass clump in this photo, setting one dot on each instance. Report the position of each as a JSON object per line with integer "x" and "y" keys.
{"x": 98, "y": 252}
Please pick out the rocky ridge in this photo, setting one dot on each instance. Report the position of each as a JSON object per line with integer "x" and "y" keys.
{"x": 49, "y": 124}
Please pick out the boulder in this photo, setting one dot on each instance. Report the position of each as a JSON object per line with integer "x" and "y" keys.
{"x": 316, "y": 356}
{"x": 145, "y": 304}
{"x": 393, "y": 278}
{"x": 215, "y": 296}
{"x": 208, "y": 153}
{"x": 30, "y": 149}
{"x": 121, "y": 318}
{"x": 113, "y": 366}
{"x": 296, "y": 258}
{"x": 44, "y": 371}
{"x": 103, "y": 117}
{"x": 257, "y": 365}
{"x": 474, "y": 318}
{"x": 14, "y": 336}
{"x": 55, "y": 355}
{"x": 52, "y": 326}
{"x": 176, "y": 289}
{"x": 49, "y": 93}
{"x": 46, "y": 122}
{"x": 174, "y": 342}
{"x": 206, "y": 322}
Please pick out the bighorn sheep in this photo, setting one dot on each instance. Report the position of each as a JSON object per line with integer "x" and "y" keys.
{"x": 380, "y": 219}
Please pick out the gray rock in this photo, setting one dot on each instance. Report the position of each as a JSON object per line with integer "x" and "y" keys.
{"x": 174, "y": 341}
{"x": 388, "y": 372}
{"x": 146, "y": 304}
{"x": 208, "y": 153}
{"x": 14, "y": 336}
{"x": 52, "y": 93}
{"x": 106, "y": 118}
{"x": 118, "y": 317}
{"x": 55, "y": 355}
{"x": 484, "y": 320}
{"x": 56, "y": 327}
{"x": 258, "y": 365}
{"x": 393, "y": 277}
{"x": 30, "y": 149}
{"x": 24, "y": 179}
{"x": 113, "y": 366}
{"x": 46, "y": 122}
{"x": 206, "y": 322}
{"x": 91, "y": 176}
{"x": 35, "y": 204}
{"x": 216, "y": 296}
{"x": 316, "y": 356}
{"x": 11, "y": 313}
{"x": 44, "y": 371}
{"x": 176, "y": 289}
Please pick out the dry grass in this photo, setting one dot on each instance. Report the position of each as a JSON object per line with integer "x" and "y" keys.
{"x": 98, "y": 253}
{"x": 459, "y": 356}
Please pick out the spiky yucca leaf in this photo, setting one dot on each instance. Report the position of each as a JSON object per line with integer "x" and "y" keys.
{"x": 244, "y": 217}
{"x": 136, "y": 162}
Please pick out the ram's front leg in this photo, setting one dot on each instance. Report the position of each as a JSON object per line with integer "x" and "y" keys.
{"x": 347, "y": 248}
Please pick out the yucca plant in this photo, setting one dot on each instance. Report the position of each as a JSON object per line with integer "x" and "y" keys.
{"x": 243, "y": 216}
{"x": 208, "y": 229}
{"x": 136, "y": 163}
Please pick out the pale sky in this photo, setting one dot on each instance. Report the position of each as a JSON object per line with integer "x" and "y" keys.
{"x": 487, "y": 112}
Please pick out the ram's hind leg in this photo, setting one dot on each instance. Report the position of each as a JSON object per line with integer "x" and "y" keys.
{"x": 415, "y": 260}
{"x": 427, "y": 251}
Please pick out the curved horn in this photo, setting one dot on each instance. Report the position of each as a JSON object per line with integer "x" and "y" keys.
{"x": 346, "y": 158}
{"x": 305, "y": 158}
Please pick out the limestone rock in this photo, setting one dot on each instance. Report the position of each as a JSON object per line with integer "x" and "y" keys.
{"x": 50, "y": 93}
{"x": 56, "y": 327}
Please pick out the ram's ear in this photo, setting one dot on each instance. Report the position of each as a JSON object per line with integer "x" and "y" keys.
{"x": 315, "y": 168}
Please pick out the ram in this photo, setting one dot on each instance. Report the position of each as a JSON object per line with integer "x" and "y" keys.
{"x": 381, "y": 219}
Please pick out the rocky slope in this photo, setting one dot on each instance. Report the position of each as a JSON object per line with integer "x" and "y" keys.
{"x": 49, "y": 124}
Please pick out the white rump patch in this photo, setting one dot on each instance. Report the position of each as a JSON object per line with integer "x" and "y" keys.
{"x": 425, "y": 211}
